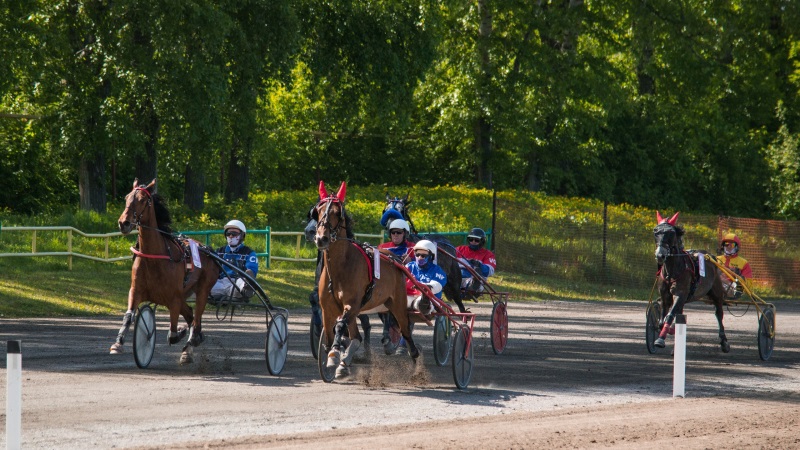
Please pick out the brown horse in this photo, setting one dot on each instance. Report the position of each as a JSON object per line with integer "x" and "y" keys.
{"x": 161, "y": 271}
{"x": 682, "y": 278}
{"x": 347, "y": 286}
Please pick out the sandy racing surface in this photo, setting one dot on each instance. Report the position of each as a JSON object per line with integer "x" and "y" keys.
{"x": 574, "y": 374}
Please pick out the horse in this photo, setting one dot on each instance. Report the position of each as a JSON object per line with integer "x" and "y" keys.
{"x": 397, "y": 208}
{"x": 684, "y": 277}
{"x": 347, "y": 286}
{"x": 160, "y": 273}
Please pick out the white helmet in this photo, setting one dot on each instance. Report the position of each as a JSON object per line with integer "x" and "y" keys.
{"x": 235, "y": 224}
{"x": 426, "y": 245}
{"x": 399, "y": 224}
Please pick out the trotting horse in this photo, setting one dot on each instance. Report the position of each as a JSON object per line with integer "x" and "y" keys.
{"x": 160, "y": 273}
{"x": 347, "y": 286}
{"x": 684, "y": 277}
{"x": 397, "y": 208}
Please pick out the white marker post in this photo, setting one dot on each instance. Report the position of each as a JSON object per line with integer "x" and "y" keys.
{"x": 679, "y": 374}
{"x": 13, "y": 396}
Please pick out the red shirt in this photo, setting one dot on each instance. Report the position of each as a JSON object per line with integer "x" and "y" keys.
{"x": 482, "y": 255}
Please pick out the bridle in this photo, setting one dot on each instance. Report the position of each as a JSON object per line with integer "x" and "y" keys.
{"x": 673, "y": 249}
{"x": 324, "y": 221}
{"x": 137, "y": 216}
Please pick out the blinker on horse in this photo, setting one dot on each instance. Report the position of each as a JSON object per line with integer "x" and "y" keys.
{"x": 684, "y": 277}
{"x": 347, "y": 286}
{"x": 159, "y": 273}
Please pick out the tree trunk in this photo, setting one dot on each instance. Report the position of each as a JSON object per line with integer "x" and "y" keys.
{"x": 483, "y": 127}
{"x": 238, "y": 182}
{"x": 91, "y": 182}
{"x": 195, "y": 184}
{"x": 146, "y": 163}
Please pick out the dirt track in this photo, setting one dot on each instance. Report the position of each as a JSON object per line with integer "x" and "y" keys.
{"x": 574, "y": 375}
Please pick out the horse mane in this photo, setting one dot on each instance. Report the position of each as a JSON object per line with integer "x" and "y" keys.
{"x": 163, "y": 219}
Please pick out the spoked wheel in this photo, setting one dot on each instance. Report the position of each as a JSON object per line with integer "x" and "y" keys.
{"x": 314, "y": 332}
{"x": 463, "y": 359}
{"x": 277, "y": 344}
{"x": 652, "y": 327}
{"x": 144, "y": 336}
{"x": 441, "y": 340}
{"x": 322, "y": 361}
{"x": 499, "y": 327}
{"x": 766, "y": 334}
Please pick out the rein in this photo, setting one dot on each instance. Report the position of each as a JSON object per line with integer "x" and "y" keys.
{"x": 137, "y": 220}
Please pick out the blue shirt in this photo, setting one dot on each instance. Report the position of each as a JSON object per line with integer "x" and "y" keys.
{"x": 244, "y": 258}
{"x": 430, "y": 273}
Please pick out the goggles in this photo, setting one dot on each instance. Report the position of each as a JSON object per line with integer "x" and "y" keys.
{"x": 232, "y": 234}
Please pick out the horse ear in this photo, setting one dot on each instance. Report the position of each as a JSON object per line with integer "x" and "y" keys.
{"x": 659, "y": 219}
{"x": 322, "y": 192}
{"x": 406, "y": 200}
{"x": 151, "y": 187}
{"x": 388, "y": 197}
{"x": 135, "y": 183}
{"x": 342, "y": 191}
{"x": 673, "y": 219}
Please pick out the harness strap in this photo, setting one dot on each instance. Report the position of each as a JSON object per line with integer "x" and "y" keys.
{"x": 371, "y": 286}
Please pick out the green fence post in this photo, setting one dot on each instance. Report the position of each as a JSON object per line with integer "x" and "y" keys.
{"x": 268, "y": 239}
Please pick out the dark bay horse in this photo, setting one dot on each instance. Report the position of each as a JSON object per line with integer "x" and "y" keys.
{"x": 160, "y": 272}
{"x": 684, "y": 276}
{"x": 347, "y": 286}
{"x": 397, "y": 208}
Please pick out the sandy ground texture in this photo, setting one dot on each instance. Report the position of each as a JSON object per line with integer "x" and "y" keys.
{"x": 574, "y": 375}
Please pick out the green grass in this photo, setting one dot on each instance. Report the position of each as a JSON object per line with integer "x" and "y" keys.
{"x": 44, "y": 287}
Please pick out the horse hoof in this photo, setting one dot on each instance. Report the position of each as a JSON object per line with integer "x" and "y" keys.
{"x": 660, "y": 343}
{"x": 186, "y": 358}
{"x": 116, "y": 349}
{"x": 333, "y": 359}
{"x": 342, "y": 371}
{"x": 175, "y": 338}
{"x": 726, "y": 347}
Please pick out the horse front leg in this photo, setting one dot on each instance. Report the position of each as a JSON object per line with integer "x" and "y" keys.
{"x": 347, "y": 357}
{"x": 677, "y": 308}
{"x": 127, "y": 320}
{"x": 341, "y": 325}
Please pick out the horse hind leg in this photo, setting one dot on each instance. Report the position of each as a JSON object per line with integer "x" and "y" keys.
{"x": 723, "y": 339}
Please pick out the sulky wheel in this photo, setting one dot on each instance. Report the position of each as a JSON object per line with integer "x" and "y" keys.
{"x": 441, "y": 340}
{"x": 652, "y": 327}
{"x": 314, "y": 332}
{"x": 463, "y": 359}
{"x": 766, "y": 333}
{"x": 499, "y": 327}
{"x": 322, "y": 361}
{"x": 277, "y": 344}
{"x": 144, "y": 336}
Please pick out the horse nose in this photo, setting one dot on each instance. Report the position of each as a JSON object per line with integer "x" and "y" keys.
{"x": 124, "y": 226}
{"x": 322, "y": 241}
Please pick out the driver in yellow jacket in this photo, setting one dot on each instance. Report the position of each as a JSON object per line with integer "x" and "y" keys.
{"x": 730, "y": 258}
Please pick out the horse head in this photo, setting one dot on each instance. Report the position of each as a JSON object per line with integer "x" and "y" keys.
{"x": 668, "y": 237}
{"x": 137, "y": 203}
{"x": 396, "y": 208}
{"x": 331, "y": 216}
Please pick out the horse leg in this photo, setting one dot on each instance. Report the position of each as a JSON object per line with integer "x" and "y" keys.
{"x": 723, "y": 340}
{"x": 347, "y": 357}
{"x": 677, "y": 308}
{"x": 174, "y": 336}
{"x": 367, "y": 327}
{"x": 127, "y": 319}
{"x": 334, "y": 355}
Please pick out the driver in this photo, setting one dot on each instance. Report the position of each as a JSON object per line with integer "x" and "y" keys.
{"x": 481, "y": 259}
{"x": 730, "y": 259}
{"x": 240, "y": 256}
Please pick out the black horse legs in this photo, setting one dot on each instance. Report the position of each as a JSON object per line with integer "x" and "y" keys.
{"x": 723, "y": 340}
